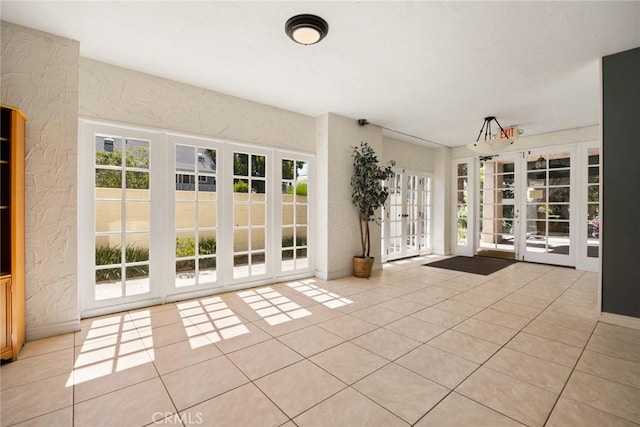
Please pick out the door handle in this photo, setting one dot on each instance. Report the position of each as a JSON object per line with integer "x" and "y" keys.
{"x": 404, "y": 216}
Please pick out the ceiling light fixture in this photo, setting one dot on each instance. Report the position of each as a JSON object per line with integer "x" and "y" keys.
{"x": 306, "y": 29}
{"x": 493, "y": 143}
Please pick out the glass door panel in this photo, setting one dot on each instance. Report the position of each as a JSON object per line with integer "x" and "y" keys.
{"x": 547, "y": 208}
{"x": 195, "y": 216}
{"x": 593, "y": 203}
{"x": 294, "y": 215}
{"x": 122, "y": 225}
{"x": 249, "y": 214}
{"x": 407, "y": 216}
{"x": 498, "y": 207}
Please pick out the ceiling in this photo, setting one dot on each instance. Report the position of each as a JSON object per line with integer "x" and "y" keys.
{"x": 429, "y": 69}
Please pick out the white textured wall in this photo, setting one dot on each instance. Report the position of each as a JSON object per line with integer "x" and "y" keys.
{"x": 40, "y": 76}
{"x": 117, "y": 94}
{"x": 343, "y": 233}
{"x": 408, "y": 156}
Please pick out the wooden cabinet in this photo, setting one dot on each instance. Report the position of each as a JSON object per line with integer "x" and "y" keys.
{"x": 12, "y": 128}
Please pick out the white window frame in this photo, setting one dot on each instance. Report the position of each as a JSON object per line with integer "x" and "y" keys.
{"x": 162, "y": 234}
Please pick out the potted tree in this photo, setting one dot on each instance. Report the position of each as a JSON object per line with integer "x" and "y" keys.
{"x": 367, "y": 194}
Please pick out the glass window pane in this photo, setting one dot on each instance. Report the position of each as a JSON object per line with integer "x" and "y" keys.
{"x": 108, "y": 250}
{"x": 594, "y": 175}
{"x": 537, "y": 195}
{"x": 301, "y": 236}
{"x": 108, "y": 150}
{"x": 240, "y": 164}
{"x": 137, "y": 216}
{"x": 594, "y": 193}
{"x": 137, "y": 282}
{"x": 258, "y": 166}
{"x": 258, "y": 213}
{"x": 137, "y": 249}
{"x": 301, "y": 214}
{"x": 185, "y": 186}
{"x": 207, "y": 270}
{"x": 258, "y": 265}
{"x": 559, "y": 177}
{"x": 563, "y": 162}
{"x": 137, "y": 152}
{"x": 594, "y": 159}
{"x": 185, "y": 215}
{"x": 106, "y": 178}
{"x": 258, "y": 186}
{"x": 185, "y": 158}
{"x": 240, "y": 240}
{"x": 240, "y": 185}
{"x": 109, "y": 275}
{"x": 257, "y": 239}
{"x": 287, "y": 237}
{"x": 559, "y": 194}
{"x": 462, "y": 183}
{"x": 301, "y": 170}
{"x": 206, "y": 160}
{"x": 560, "y": 211}
{"x": 185, "y": 273}
{"x": 241, "y": 215}
{"x": 287, "y": 169}
{"x": 206, "y": 184}
{"x": 536, "y": 228}
{"x": 287, "y": 214}
{"x": 462, "y": 169}
{"x": 185, "y": 244}
{"x": 536, "y": 211}
{"x": 108, "y": 216}
{"x": 536, "y": 179}
{"x": 206, "y": 215}
{"x": 207, "y": 244}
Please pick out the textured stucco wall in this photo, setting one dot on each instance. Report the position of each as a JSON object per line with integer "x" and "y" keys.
{"x": 117, "y": 94}
{"x": 408, "y": 156}
{"x": 40, "y": 76}
{"x": 343, "y": 233}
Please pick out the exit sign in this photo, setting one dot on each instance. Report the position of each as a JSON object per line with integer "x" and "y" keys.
{"x": 509, "y": 133}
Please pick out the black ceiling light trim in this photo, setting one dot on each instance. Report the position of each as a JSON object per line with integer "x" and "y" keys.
{"x": 306, "y": 29}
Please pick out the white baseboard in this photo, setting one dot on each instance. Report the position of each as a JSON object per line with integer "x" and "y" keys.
{"x": 333, "y": 275}
{"x": 52, "y": 329}
{"x": 620, "y": 320}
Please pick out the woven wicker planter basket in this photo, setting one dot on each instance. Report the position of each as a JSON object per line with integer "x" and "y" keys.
{"x": 362, "y": 266}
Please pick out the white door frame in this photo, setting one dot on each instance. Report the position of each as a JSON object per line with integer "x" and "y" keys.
{"x": 422, "y": 178}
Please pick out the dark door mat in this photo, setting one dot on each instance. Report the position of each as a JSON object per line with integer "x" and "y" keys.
{"x": 476, "y": 265}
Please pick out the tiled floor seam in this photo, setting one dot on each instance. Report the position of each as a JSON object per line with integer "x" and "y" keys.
{"x": 573, "y": 369}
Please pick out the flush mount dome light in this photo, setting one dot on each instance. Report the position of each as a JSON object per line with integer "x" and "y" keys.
{"x": 306, "y": 29}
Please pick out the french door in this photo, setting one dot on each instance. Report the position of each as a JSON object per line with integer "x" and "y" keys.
{"x": 499, "y": 206}
{"x": 407, "y": 217}
{"x": 548, "y": 228}
{"x": 164, "y": 217}
{"x": 525, "y": 205}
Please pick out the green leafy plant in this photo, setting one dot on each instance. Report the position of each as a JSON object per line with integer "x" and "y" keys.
{"x": 240, "y": 187}
{"x": 367, "y": 190}
{"x": 301, "y": 189}
{"x": 207, "y": 246}
{"x": 110, "y": 255}
{"x": 185, "y": 246}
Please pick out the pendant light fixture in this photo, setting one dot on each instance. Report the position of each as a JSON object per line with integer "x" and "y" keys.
{"x": 490, "y": 143}
{"x": 306, "y": 29}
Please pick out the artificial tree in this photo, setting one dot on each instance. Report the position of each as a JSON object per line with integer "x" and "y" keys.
{"x": 367, "y": 190}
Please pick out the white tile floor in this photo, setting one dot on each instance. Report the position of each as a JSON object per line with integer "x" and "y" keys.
{"x": 412, "y": 345}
